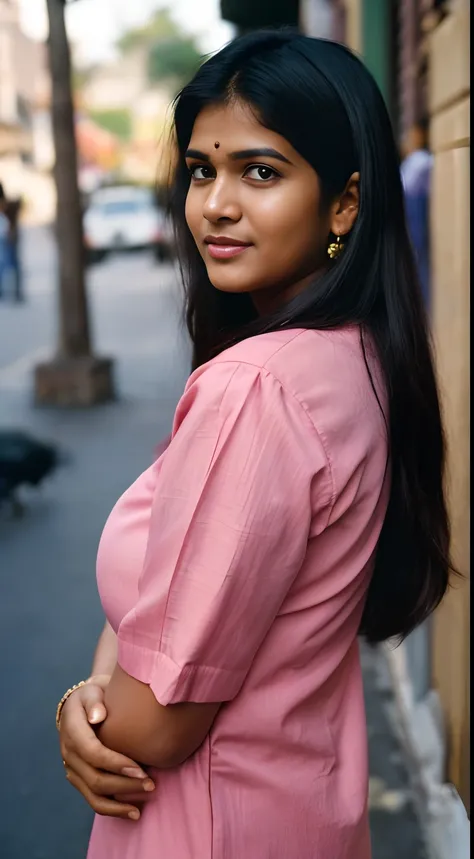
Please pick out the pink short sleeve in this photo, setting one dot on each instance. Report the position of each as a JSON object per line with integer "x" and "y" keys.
{"x": 231, "y": 516}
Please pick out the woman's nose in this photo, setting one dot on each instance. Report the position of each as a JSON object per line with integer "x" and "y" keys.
{"x": 221, "y": 202}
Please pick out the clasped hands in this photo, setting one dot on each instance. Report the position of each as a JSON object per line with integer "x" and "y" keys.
{"x": 111, "y": 783}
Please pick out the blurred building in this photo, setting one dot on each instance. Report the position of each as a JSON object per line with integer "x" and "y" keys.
{"x": 146, "y": 158}
{"x": 123, "y": 85}
{"x": 418, "y": 52}
{"x": 19, "y": 62}
{"x": 96, "y": 147}
{"x": 25, "y": 128}
{"x": 117, "y": 84}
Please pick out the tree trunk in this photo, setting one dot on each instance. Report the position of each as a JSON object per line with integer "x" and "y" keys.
{"x": 74, "y": 377}
{"x": 74, "y": 337}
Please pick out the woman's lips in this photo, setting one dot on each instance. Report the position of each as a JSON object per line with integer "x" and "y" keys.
{"x": 225, "y": 251}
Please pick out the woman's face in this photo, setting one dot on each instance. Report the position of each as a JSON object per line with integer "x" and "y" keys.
{"x": 253, "y": 207}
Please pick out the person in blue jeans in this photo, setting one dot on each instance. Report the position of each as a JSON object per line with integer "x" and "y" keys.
{"x": 13, "y": 215}
{"x": 4, "y": 244}
{"x": 416, "y": 177}
{"x": 10, "y": 210}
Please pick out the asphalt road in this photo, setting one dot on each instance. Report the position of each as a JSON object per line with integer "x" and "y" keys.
{"x": 50, "y": 615}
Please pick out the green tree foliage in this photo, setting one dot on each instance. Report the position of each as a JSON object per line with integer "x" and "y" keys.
{"x": 173, "y": 59}
{"x": 159, "y": 26}
{"x": 118, "y": 121}
{"x": 80, "y": 77}
{"x": 172, "y": 56}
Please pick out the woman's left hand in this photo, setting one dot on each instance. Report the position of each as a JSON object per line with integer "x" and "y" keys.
{"x": 111, "y": 783}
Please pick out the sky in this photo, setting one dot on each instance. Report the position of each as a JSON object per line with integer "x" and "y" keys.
{"x": 95, "y": 25}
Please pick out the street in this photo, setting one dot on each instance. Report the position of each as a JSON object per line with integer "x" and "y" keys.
{"x": 50, "y": 614}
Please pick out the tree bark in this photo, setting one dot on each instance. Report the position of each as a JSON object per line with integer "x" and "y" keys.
{"x": 74, "y": 331}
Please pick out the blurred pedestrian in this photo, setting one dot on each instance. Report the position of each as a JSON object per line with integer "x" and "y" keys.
{"x": 4, "y": 247}
{"x": 13, "y": 210}
{"x": 416, "y": 170}
{"x": 11, "y": 269}
{"x": 297, "y": 503}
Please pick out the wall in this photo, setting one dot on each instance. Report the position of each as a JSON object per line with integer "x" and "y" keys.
{"x": 432, "y": 723}
{"x": 29, "y": 65}
{"x": 22, "y": 64}
{"x": 23, "y": 74}
{"x": 449, "y": 97}
{"x": 434, "y": 727}
{"x": 354, "y": 25}
{"x": 376, "y": 43}
{"x": 8, "y": 105}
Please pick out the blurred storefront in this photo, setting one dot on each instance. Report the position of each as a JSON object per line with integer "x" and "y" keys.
{"x": 25, "y": 132}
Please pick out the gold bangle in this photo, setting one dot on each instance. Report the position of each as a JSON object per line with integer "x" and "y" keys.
{"x": 64, "y": 699}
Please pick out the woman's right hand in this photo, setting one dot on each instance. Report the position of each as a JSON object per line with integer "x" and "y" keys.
{"x": 111, "y": 783}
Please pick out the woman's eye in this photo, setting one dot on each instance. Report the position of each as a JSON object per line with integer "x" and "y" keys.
{"x": 201, "y": 171}
{"x": 260, "y": 173}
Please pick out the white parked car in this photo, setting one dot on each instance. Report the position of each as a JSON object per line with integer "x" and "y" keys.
{"x": 125, "y": 218}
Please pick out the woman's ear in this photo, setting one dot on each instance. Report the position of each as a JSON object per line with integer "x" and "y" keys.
{"x": 346, "y": 208}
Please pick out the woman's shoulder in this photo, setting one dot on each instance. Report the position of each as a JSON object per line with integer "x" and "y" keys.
{"x": 294, "y": 344}
{"x": 298, "y": 357}
{"x": 261, "y": 349}
{"x": 246, "y": 376}
{"x": 247, "y": 359}
{"x": 332, "y": 374}
{"x": 326, "y": 372}
{"x": 301, "y": 358}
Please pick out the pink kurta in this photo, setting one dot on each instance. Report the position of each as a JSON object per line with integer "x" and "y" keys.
{"x": 235, "y": 569}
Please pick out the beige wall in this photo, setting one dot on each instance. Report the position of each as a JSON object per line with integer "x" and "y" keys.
{"x": 23, "y": 70}
{"x": 450, "y": 140}
{"x": 354, "y": 24}
{"x": 30, "y": 66}
{"x": 23, "y": 62}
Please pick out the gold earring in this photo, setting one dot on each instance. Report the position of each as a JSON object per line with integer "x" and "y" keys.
{"x": 335, "y": 248}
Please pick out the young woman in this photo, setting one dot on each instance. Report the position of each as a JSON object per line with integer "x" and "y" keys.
{"x": 299, "y": 502}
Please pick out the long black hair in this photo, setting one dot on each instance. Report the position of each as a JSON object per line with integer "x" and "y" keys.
{"x": 321, "y": 98}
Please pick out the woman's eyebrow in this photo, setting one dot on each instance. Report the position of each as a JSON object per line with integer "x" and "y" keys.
{"x": 264, "y": 152}
{"x": 242, "y": 154}
{"x": 195, "y": 153}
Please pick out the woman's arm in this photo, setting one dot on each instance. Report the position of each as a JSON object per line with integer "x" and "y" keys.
{"x": 137, "y": 725}
{"x": 105, "y": 657}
